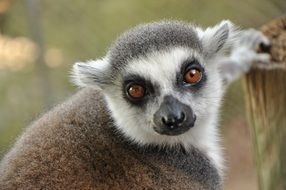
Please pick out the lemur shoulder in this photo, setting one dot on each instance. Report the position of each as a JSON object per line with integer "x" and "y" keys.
{"x": 146, "y": 118}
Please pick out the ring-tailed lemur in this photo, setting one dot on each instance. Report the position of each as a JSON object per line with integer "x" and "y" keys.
{"x": 147, "y": 116}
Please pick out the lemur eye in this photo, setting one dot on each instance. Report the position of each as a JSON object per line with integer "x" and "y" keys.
{"x": 193, "y": 76}
{"x": 136, "y": 91}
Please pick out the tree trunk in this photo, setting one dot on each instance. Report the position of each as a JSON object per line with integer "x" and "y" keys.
{"x": 35, "y": 22}
{"x": 265, "y": 91}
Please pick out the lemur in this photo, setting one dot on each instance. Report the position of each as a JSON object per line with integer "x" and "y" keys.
{"x": 145, "y": 118}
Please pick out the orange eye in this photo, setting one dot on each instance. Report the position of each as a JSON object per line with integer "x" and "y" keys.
{"x": 136, "y": 91}
{"x": 193, "y": 76}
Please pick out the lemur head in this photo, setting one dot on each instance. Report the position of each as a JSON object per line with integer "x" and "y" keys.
{"x": 161, "y": 81}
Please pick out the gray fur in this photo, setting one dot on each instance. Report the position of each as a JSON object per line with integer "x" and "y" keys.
{"x": 76, "y": 146}
{"x": 152, "y": 37}
{"x": 144, "y": 39}
{"x": 221, "y": 34}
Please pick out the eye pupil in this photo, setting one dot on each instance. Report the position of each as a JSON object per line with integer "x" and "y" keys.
{"x": 193, "y": 76}
{"x": 136, "y": 91}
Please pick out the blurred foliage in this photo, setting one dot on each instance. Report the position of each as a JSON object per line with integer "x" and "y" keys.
{"x": 83, "y": 30}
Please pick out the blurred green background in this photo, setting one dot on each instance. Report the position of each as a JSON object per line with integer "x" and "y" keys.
{"x": 41, "y": 39}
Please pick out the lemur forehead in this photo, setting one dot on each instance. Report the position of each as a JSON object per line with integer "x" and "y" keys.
{"x": 162, "y": 62}
{"x": 147, "y": 38}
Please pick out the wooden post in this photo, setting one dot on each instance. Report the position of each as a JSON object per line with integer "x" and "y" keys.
{"x": 265, "y": 91}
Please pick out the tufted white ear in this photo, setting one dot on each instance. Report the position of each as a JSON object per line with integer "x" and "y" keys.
{"x": 91, "y": 73}
{"x": 217, "y": 38}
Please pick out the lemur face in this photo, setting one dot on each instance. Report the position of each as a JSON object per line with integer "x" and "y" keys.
{"x": 160, "y": 81}
{"x": 164, "y": 87}
{"x": 165, "y": 94}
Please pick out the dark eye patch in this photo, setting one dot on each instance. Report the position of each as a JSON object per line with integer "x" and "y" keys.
{"x": 186, "y": 66}
{"x": 151, "y": 89}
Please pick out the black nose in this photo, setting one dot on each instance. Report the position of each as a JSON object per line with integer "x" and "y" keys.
{"x": 173, "y": 117}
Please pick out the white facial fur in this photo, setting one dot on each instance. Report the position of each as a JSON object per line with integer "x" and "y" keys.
{"x": 161, "y": 67}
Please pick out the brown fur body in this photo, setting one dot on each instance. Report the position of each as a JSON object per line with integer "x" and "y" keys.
{"x": 76, "y": 146}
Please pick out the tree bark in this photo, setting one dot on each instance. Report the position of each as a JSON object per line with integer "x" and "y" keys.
{"x": 265, "y": 92}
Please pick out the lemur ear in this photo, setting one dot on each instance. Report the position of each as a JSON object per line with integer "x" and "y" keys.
{"x": 91, "y": 73}
{"x": 216, "y": 38}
